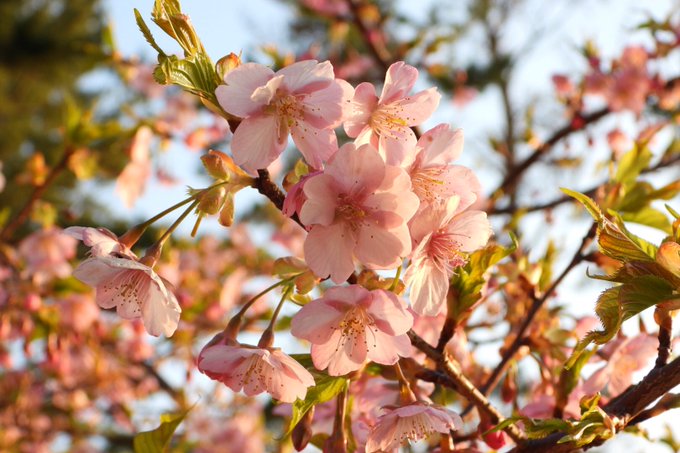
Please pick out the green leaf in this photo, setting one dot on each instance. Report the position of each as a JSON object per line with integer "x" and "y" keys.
{"x": 157, "y": 440}
{"x": 196, "y": 75}
{"x": 147, "y": 33}
{"x": 469, "y": 279}
{"x": 617, "y": 242}
{"x": 650, "y": 217}
{"x": 587, "y": 202}
{"x": 643, "y": 292}
{"x": 608, "y": 310}
{"x": 631, "y": 164}
{"x": 326, "y": 388}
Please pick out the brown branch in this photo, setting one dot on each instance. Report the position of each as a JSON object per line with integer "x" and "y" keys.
{"x": 498, "y": 372}
{"x": 663, "y": 163}
{"x": 628, "y": 408}
{"x": 379, "y": 53}
{"x": 665, "y": 333}
{"x": 37, "y": 194}
{"x": 455, "y": 378}
{"x": 577, "y": 124}
{"x": 269, "y": 189}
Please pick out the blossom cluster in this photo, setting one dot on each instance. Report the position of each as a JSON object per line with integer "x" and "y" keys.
{"x": 389, "y": 195}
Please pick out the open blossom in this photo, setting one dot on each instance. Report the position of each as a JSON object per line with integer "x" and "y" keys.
{"x": 304, "y": 99}
{"x": 134, "y": 289}
{"x": 624, "y": 357}
{"x": 443, "y": 234}
{"x": 433, "y": 179}
{"x": 358, "y": 208}
{"x": 256, "y": 370}
{"x": 386, "y": 122}
{"x": 350, "y": 325}
{"x": 411, "y": 423}
{"x": 47, "y": 253}
{"x": 101, "y": 241}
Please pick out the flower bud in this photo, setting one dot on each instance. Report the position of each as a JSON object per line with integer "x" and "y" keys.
{"x": 227, "y": 64}
{"x": 211, "y": 201}
{"x": 302, "y": 433}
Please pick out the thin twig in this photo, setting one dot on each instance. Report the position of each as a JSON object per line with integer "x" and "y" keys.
{"x": 456, "y": 379}
{"x": 37, "y": 194}
{"x": 664, "y": 163}
{"x": 509, "y": 354}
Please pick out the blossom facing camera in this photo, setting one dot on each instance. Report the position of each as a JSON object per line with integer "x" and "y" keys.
{"x": 357, "y": 208}
{"x": 350, "y": 325}
{"x": 386, "y": 122}
{"x": 256, "y": 370}
{"x": 303, "y": 99}
{"x": 134, "y": 289}
{"x": 411, "y": 423}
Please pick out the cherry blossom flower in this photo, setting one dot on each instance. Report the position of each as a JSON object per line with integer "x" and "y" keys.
{"x": 256, "y": 370}
{"x": 47, "y": 253}
{"x": 101, "y": 241}
{"x": 386, "y": 122}
{"x": 358, "y": 208}
{"x": 442, "y": 234}
{"x": 433, "y": 179}
{"x": 304, "y": 99}
{"x": 350, "y": 325}
{"x": 131, "y": 182}
{"x": 624, "y": 357}
{"x": 413, "y": 422}
{"x": 134, "y": 289}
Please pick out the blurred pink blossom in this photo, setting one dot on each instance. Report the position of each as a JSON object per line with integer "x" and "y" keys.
{"x": 256, "y": 370}
{"x": 134, "y": 289}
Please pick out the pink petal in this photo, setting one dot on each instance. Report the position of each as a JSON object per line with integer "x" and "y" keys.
{"x": 386, "y": 349}
{"x": 319, "y": 208}
{"x": 398, "y": 147}
{"x": 429, "y": 285}
{"x": 378, "y": 248}
{"x": 363, "y": 105}
{"x": 263, "y": 95}
{"x": 399, "y": 80}
{"x": 160, "y": 312}
{"x": 323, "y": 109}
{"x": 315, "y": 321}
{"x": 257, "y": 142}
{"x": 440, "y": 145}
{"x": 307, "y": 76}
{"x": 389, "y": 313}
{"x": 471, "y": 229}
{"x": 357, "y": 171}
{"x": 235, "y": 96}
{"x": 418, "y": 108}
{"x": 316, "y": 145}
{"x": 328, "y": 251}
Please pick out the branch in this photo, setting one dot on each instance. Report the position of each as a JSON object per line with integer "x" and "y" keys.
{"x": 379, "y": 53}
{"x": 573, "y": 126}
{"x": 589, "y": 192}
{"x": 629, "y": 408}
{"x": 454, "y": 377}
{"x": 269, "y": 189}
{"x": 38, "y": 192}
{"x": 493, "y": 380}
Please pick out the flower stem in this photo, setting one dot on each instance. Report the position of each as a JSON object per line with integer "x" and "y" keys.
{"x": 267, "y": 338}
{"x": 235, "y": 323}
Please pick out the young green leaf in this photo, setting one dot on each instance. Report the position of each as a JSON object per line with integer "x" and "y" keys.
{"x": 157, "y": 440}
